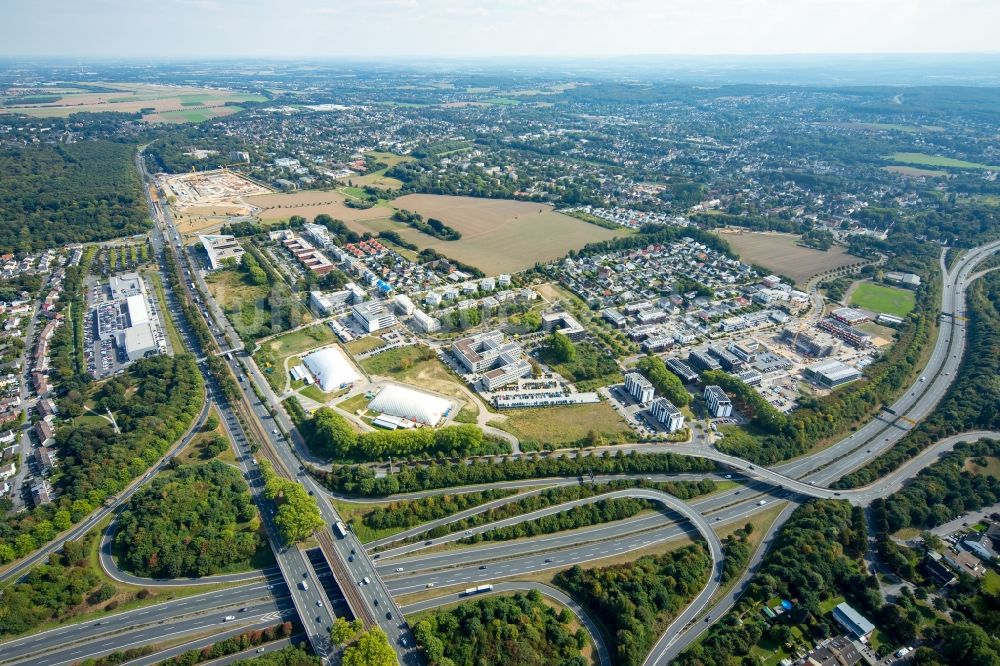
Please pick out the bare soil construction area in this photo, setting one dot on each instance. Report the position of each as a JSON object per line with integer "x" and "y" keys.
{"x": 780, "y": 253}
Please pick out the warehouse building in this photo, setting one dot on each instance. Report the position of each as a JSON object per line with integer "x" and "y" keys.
{"x": 331, "y": 368}
{"x": 406, "y": 403}
{"x": 832, "y": 374}
{"x": 139, "y": 341}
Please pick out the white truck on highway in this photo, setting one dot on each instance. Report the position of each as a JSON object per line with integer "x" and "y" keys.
{"x": 479, "y": 589}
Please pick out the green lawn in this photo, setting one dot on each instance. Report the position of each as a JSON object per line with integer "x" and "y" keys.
{"x": 314, "y": 392}
{"x": 352, "y": 405}
{"x": 568, "y": 425}
{"x": 924, "y": 159}
{"x": 879, "y": 298}
{"x": 991, "y": 582}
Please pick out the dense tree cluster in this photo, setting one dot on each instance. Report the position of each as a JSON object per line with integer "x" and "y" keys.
{"x": 940, "y": 492}
{"x": 154, "y": 402}
{"x": 50, "y": 590}
{"x": 520, "y": 630}
{"x": 971, "y": 402}
{"x": 665, "y": 382}
{"x": 189, "y": 524}
{"x": 372, "y": 648}
{"x": 814, "y": 558}
{"x": 432, "y": 227}
{"x": 578, "y": 362}
{"x": 298, "y": 516}
{"x": 414, "y": 512}
{"x": 637, "y": 598}
{"x": 333, "y": 435}
{"x": 595, "y": 513}
{"x": 361, "y": 479}
{"x": 245, "y": 641}
{"x": 57, "y": 194}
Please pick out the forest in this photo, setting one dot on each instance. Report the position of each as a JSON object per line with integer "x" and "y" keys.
{"x": 971, "y": 402}
{"x": 197, "y": 521}
{"x": 519, "y": 630}
{"x": 636, "y": 601}
{"x": 333, "y": 435}
{"x": 814, "y": 557}
{"x": 941, "y": 492}
{"x": 154, "y": 402}
{"x": 360, "y": 480}
{"x": 54, "y": 195}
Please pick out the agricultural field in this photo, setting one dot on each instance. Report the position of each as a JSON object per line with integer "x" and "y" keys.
{"x": 923, "y": 159}
{"x": 879, "y": 298}
{"x": 915, "y": 172}
{"x": 781, "y": 253}
{"x": 310, "y": 203}
{"x": 157, "y": 103}
{"x": 499, "y": 236}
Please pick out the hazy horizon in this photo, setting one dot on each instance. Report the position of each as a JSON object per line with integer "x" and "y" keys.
{"x": 464, "y": 29}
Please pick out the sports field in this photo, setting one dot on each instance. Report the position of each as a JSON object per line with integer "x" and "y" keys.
{"x": 499, "y": 235}
{"x": 158, "y": 104}
{"x": 780, "y": 253}
{"x": 923, "y": 159}
{"x": 879, "y": 298}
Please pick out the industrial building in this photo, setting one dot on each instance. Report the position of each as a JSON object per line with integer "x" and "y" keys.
{"x": 331, "y": 368}
{"x": 719, "y": 404}
{"x": 832, "y": 374}
{"x": 638, "y": 387}
{"x": 219, "y": 248}
{"x": 666, "y": 413}
{"x": 139, "y": 341}
{"x": 406, "y": 403}
{"x": 124, "y": 285}
{"x": 373, "y": 316}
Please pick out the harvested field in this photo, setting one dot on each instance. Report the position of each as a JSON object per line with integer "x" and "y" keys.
{"x": 158, "y": 103}
{"x": 779, "y": 253}
{"x": 310, "y": 203}
{"x": 914, "y": 172}
{"x": 499, "y": 235}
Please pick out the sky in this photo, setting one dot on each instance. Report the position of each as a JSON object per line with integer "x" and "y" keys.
{"x": 373, "y": 29}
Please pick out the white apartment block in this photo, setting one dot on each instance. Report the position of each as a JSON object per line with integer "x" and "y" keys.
{"x": 638, "y": 387}
{"x": 666, "y": 413}
{"x": 373, "y": 316}
{"x": 719, "y": 404}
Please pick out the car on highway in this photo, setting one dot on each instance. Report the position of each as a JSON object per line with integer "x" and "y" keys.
{"x": 229, "y": 618}
{"x": 482, "y": 566}
{"x": 402, "y": 641}
{"x": 304, "y": 585}
{"x": 399, "y": 569}
{"x": 430, "y": 585}
{"x": 388, "y": 616}
{"x": 375, "y": 602}
{"x": 319, "y": 602}
{"x": 762, "y": 503}
{"x": 366, "y": 580}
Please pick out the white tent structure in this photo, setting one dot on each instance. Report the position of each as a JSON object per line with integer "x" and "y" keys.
{"x": 409, "y": 404}
{"x": 331, "y": 368}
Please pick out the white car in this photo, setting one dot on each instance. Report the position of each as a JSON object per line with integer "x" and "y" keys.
{"x": 762, "y": 503}
{"x": 366, "y": 580}
{"x": 398, "y": 569}
{"x": 228, "y": 618}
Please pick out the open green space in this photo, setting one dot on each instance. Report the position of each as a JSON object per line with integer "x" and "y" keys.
{"x": 352, "y": 405}
{"x": 923, "y": 159}
{"x": 274, "y": 352}
{"x": 569, "y": 425}
{"x": 365, "y": 344}
{"x": 879, "y": 298}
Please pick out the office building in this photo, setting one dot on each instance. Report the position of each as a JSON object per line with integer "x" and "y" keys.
{"x": 832, "y": 374}
{"x": 139, "y": 341}
{"x": 719, "y": 404}
{"x": 373, "y": 316}
{"x": 638, "y": 387}
{"x": 565, "y": 323}
{"x": 666, "y": 413}
{"x": 219, "y": 248}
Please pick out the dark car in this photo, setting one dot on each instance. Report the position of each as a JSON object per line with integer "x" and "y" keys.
{"x": 482, "y": 566}
{"x": 375, "y": 601}
{"x": 388, "y": 616}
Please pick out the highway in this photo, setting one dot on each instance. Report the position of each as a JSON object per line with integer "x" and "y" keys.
{"x": 251, "y": 420}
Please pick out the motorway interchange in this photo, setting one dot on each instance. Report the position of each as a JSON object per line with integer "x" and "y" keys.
{"x": 261, "y": 599}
